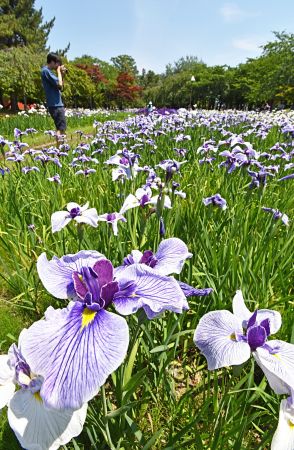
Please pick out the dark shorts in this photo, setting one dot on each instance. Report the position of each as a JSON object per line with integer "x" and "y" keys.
{"x": 58, "y": 115}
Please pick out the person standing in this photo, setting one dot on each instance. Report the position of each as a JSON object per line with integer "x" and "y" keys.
{"x": 53, "y": 85}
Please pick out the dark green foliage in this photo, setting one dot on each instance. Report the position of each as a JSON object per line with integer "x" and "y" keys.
{"x": 21, "y": 25}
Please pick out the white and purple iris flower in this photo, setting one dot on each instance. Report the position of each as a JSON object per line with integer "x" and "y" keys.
{"x": 277, "y": 215}
{"x": 35, "y": 426}
{"x": 143, "y": 197}
{"x": 228, "y": 339}
{"x": 215, "y": 200}
{"x": 81, "y": 214}
{"x": 169, "y": 258}
{"x": 284, "y": 435}
{"x": 76, "y": 348}
{"x": 112, "y": 219}
{"x": 127, "y": 165}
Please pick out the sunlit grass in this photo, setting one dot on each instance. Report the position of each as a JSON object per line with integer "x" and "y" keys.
{"x": 162, "y": 397}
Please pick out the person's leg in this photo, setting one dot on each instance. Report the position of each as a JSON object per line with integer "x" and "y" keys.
{"x": 58, "y": 115}
{"x": 61, "y": 125}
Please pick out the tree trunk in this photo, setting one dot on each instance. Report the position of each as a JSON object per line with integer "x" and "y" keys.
{"x": 13, "y": 101}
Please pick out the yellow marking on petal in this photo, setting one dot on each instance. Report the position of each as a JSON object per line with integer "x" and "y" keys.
{"x": 277, "y": 355}
{"x": 38, "y": 397}
{"x": 233, "y": 337}
{"x": 291, "y": 424}
{"x": 134, "y": 295}
{"x": 87, "y": 317}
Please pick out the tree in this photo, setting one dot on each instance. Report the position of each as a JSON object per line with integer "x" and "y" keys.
{"x": 125, "y": 64}
{"x": 78, "y": 88}
{"x": 22, "y": 25}
{"x": 126, "y": 90}
{"x": 98, "y": 79}
{"x": 19, "y": 69}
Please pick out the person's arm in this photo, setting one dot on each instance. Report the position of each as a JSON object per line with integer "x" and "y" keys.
{"x": 59, "y": 75}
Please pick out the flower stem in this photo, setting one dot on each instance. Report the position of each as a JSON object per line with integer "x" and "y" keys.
{"x": 110, "y": 443}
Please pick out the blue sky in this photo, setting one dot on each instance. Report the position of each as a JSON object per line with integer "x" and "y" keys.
{"x": 158, "y": 32}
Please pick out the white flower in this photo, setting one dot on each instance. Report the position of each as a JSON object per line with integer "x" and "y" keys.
{"x": 80, "y": 214}
{"x": 35, "y": 426}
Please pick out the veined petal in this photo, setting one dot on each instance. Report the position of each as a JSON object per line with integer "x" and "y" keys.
{"x": 89, "y": 216}
{"x": 151, "y": 290}
{"x": 239, "y": 308}
{"x": 284, "y": 435}
{"x": 7, "y": 387}
{"x": 217, "y": 337}
{"x": 277, "y": 357}
{"x": 39, "y": 428}
{"x": 130, "y": 202}
{"x": 59, "y": 220}
{"x": 56, "y": 275}
{"x": 190, "y": 291}
{"x": 171, "y": 256}
{"x": 75, "y": 350}
{"x": 274, "y": 317}
{"x": 6, "y": 372}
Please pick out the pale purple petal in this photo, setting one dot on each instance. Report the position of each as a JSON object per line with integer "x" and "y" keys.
{"x": 75, "y": 353}
{"x": 277, "y": 357}
{"x": 56, "y": 275}
{"x": 171, "y": 256}
{"x": 59, "y": 220}
{"x": 242, "y": 312}
{"x": 274, "y": 317}
{"x": 140, "y": 286}
{"x": 190, "y": 291}
{"x": 217, "y": 337}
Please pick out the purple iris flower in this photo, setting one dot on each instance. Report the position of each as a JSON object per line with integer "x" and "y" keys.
{"x": 85, "y": 172}
{"x": 228, "y": 339}
{"x": 112, "y": 219}
{"x": 170, "y": 166}
{"x": 80, "y": 214}
{"x": 55, "y": 179}
{"x": 16, "y": 158}
{"x": 259, "y": 178}
{"x": 34, "y": 425}
{"x": 76, "y": 348}
{"x": 169, "y": 258}
{"x": 215, "y": 200}
{"x": 28, "y": 169}
{"x": 283, "y": 438}
{"x": 17, "y": 133}
{"x": 277, "y": 215}
{"x": 287, "y": 177}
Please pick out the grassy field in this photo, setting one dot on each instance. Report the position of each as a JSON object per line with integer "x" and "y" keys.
{"x": 162, "y": 396}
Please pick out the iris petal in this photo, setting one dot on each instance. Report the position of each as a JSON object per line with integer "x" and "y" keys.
{"x": 75, "y": 355}
{"x": 216, "y": 337}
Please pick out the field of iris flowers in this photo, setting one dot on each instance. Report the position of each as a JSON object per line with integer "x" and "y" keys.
{"x": 115, "y": 249}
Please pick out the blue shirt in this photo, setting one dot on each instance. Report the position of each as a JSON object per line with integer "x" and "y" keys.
{"x": 50, "y": 84}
